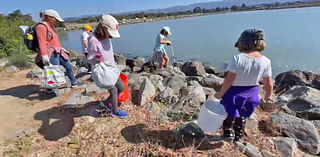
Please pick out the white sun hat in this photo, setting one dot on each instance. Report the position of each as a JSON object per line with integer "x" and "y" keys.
{"x": 53, "y": 13}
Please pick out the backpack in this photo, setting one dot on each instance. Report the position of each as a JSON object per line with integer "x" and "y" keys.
{"x": 31, "y": 39}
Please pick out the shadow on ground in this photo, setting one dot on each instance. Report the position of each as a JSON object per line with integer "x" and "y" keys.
{"x": 57, "y": 122}
{"x": 29, "y": 92}
{"x": 167, "y": 138}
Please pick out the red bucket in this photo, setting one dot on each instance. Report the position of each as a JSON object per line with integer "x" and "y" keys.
{"x": 125, "y": 95}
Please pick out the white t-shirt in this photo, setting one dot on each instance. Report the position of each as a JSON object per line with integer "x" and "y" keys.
{"x": 84, "y": 37}
{"x": 249, "y": 70}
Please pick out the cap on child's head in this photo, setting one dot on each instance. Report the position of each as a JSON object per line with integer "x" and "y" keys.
{"x": 250, "y": 35}
{"x": 111, "y": 24}
{"x": 167, "y": 29}
{"x": 88, "y": 27}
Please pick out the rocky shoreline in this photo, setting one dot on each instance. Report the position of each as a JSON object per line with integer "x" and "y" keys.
{"x": 175, "y": 95}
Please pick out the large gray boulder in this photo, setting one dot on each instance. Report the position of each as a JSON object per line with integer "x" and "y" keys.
{"x": 195, "y": 89}
{"x": 166, "y": 96}
{"x": 210, "y": 69}
{"x": 212, "y": 81}
{"x": 120, "y": 59}
{"x": 175, "y": 83}
{"x": 188, "y": 105}
{"x": 303, "y": 131}
{"x": 147, "y": 93}
{"x": 194, "y": 68}
{"x": 302, "y": 101}
{"x": 135, "y": 64}
{"x": 156, "y": 80}
{"x": 286, "y": 80}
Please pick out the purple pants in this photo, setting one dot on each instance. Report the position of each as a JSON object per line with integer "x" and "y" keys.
{"x": 241, "y": 101}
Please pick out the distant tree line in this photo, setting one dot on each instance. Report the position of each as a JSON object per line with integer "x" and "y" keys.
{"x": 196, "y": 10}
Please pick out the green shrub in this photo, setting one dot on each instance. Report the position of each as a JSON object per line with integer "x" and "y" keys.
{"x": 11, "y": 38}
{"x": 20, "y": 59}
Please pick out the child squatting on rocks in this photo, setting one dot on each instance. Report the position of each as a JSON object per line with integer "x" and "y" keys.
{"x": 240, "y": 91}
{"x": 100, "y": 50}
{"x": 160, "y": 58}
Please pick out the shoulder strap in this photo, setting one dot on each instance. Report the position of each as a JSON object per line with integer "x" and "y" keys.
{"x": 48, "y": 33}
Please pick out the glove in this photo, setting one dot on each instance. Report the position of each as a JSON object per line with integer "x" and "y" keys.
{"x": 45, "y": 60}
{"x": 169, "y": 42}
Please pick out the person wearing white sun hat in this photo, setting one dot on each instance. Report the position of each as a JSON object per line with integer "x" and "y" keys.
{"x": 160, "y": 58}
{"x": 50, "y": 50}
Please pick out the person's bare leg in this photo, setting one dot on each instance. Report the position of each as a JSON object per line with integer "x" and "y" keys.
{"x": 166, "y": 61}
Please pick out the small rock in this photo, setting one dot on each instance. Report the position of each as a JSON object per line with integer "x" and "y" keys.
{"x": 83, "y": 70}
{"x": 194, "y": 68}
{"x": 3, "y": 63}
{"x": 11, "y": 68}
{"x": 91, "y": 119}
{"x": 286, "y": 146}
{"x": 248, "y": 149}
{"x": 153, "y": 109}
{"x": 20, "y": 134}
{"x": 267, "y": 154}
{"x": 35, "y": 73}
{"x": 147, "y": 92}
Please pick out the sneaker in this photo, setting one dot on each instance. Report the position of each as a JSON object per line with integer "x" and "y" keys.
{"x": 76, "y": 84}
{"x": 89, "y": 72}
{"x": 120, "y": 114}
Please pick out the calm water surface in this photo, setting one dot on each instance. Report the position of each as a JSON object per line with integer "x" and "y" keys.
{"x": 292, "y": 37}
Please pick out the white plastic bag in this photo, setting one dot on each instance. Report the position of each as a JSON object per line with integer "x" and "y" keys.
{"x": 105, "y": 75}
{"x": 53, "y": 76}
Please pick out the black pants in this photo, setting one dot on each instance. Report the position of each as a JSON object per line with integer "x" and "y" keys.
{"x": 89, "y": 65}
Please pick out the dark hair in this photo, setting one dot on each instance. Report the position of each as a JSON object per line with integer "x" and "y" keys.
{"x": 163, "y": 31}
{"x": 101, "y": 32}
{"x": 251, "y": 40}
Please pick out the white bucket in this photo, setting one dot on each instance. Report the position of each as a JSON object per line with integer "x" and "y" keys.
{"x": 212, "y": 115}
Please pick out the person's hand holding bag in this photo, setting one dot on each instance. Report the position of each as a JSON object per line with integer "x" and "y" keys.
{"x": 99, "y": 58}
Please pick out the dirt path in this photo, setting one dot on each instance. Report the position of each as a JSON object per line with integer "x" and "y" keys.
{"x": 19, "y": 102}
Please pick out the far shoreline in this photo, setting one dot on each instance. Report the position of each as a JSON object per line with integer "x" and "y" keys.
{"x": 71, "y": 27}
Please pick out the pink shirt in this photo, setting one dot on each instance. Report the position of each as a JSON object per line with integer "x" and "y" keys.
{"x": 48, "y": 42}
{"x": 103, "y": 48}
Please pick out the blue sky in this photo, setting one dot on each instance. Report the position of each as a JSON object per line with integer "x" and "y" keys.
{"x": 70, "y": 8}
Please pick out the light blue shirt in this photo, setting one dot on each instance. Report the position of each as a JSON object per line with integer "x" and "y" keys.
{"x": 158, "y": 46}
